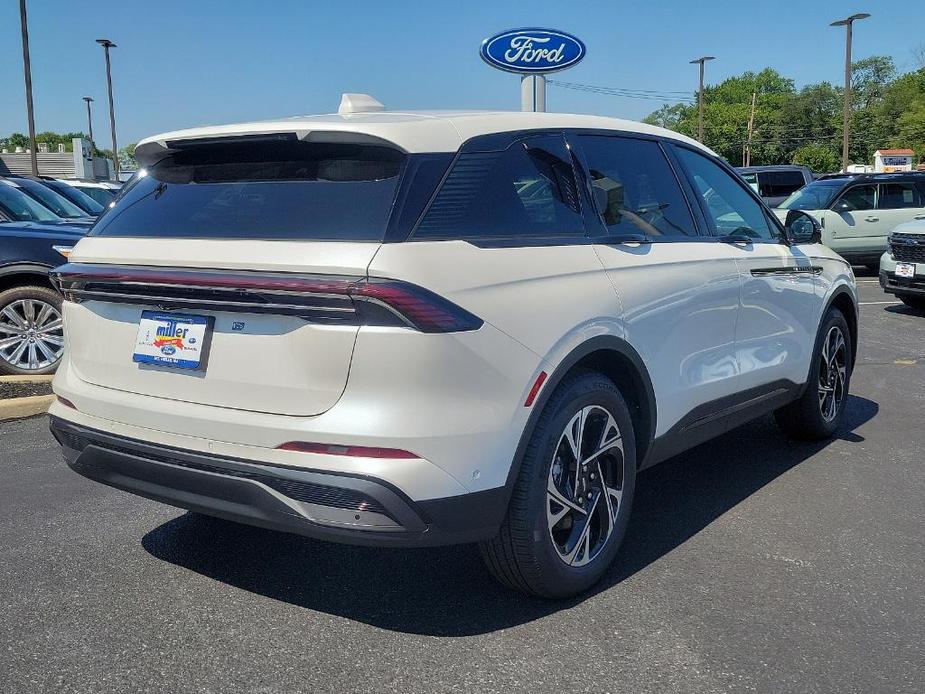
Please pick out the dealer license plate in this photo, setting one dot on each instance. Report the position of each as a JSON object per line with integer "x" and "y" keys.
{"x": 171, "y": 339}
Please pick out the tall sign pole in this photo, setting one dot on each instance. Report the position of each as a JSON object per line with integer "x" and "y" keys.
{"x": 533, "y": 92}
{"x": 27, "y": 69}
{"x": 532, "y": 54}
{"x": 89, "y": 100}
{"x": 107, "y": 44}
{"x": 701, "y": 61}
{"x": 848, "y": 23}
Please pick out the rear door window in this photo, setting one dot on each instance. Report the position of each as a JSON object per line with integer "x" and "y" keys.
{"x": 526, "y": 191}
{"x": 282, "y": 190}
{"x": 894, "y": 196}
{"x": 634, "y": 187}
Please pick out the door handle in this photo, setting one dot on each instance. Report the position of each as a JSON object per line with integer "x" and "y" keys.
{"x": 736, "y": 239}
{"x": 919, "y": 216}
{"x": 872, "y": 219}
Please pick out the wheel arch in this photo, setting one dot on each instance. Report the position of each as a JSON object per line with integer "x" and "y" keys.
{"x": 24, "y": 274}
{"x": 844, "y": 301}
{"x": 619, "y": 361}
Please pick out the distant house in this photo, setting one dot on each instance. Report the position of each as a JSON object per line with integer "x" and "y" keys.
{"x": 890, "y": 160}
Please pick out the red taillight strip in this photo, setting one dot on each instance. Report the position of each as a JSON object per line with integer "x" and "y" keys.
{"x": 351, "y": 451}
{"x": 534, "y": 391}
{"x": 214, "y": 279}
{"x": 416, "y": 306}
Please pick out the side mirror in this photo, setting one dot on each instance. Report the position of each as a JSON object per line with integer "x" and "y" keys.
{"x": 843, "y": 206}
{"x": 802, "y": 228}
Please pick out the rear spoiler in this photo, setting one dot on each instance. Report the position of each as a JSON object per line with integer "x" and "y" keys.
{"x": 149, "y": 153}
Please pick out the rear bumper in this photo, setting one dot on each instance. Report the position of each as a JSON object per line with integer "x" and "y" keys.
{"x": 327, "y": 506}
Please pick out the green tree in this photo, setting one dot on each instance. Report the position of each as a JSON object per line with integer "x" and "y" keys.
{"x": 910, "y": 130}
{"x": 670, "y": 116}
{"x": 870, "y": 79}
{"x": 127, "y": 157}
{"x": 819, "y": 158}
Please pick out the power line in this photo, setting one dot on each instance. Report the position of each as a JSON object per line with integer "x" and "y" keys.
{"x": 648, "y": 94}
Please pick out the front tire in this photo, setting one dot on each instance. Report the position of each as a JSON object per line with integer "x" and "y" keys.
{"x": 574, "y": 491}
{"x": 819, "y": 412}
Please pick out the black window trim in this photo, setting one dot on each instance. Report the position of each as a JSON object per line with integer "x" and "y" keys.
{"x": 776, "y": 224}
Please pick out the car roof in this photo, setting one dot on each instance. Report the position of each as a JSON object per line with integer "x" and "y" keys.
{"x": 902, "y": 176}
{"x": 771, "y": 167}
{"x": 411, "y": 131}
{"x": 76, "y": 182}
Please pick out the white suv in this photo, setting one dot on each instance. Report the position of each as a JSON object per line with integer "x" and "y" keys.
{"x": 431, "y": 328}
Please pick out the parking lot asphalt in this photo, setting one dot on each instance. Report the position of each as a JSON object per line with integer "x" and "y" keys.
{"x": 752, "y": 563}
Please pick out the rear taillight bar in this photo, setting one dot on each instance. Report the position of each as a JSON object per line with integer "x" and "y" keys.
{"x": 366, "y": 300}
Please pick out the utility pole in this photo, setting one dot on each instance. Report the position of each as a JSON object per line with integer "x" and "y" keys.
{"x": 107, "y": 44}
{"x": 27, "y": 69}
{"x": 701, "y": 61}
{"x": 89, "y": 100}
{"x": 751, "y": 129}
{"x": 848, "y": 23}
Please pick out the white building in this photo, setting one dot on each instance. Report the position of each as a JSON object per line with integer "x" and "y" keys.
{"x": 890, "y": 160}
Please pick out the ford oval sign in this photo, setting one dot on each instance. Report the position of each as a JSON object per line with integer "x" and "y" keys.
{"x": 532, "y": 51}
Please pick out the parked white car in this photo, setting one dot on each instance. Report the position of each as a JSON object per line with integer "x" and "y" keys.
{"x": 858, "y": 212}
{"x": 902, "y": 266}
{"x": 429, "y": 328}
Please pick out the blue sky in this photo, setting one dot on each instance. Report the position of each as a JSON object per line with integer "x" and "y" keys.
{"x": 195, "y": 62}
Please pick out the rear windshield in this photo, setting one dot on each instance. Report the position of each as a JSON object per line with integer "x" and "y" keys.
{"x": 814, "y": 196}
{"x": 288, "y": 190}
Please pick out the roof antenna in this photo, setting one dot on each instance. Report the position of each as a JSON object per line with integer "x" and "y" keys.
{"x": 358, "y": 103}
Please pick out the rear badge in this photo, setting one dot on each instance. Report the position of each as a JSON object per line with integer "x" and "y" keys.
{"x": 237, "y": 326}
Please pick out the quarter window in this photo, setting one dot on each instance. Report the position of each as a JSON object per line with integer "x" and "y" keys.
{"x": 726, "y": 202}
{"x": 528, "y": 190}
{"x": 898, "y": 195}
{"x": 634, "y": 188}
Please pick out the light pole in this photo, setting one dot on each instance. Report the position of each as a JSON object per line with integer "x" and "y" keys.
{"x": 89, "y": 100}
{"x": 701, "y": 61}
{"x": 107, "y": 44}
{"x": 848, "y": 23}
{"x": 27, "y": 70}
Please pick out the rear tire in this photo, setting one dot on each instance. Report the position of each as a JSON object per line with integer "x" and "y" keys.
{"x": 31, "y": 336}
{"x": 913, "y": 302}
{"x": 819, "y": 412}
{"x": 556, "y": 540}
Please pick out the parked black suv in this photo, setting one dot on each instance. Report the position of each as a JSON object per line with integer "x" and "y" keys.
{"x": 31, "y": 336}
{"x": 775, "y": 183}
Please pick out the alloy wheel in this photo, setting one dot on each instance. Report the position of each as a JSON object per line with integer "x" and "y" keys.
{"x": 31, "y": 334}
{"x": 584, "y": 489}
{"x": 833, "y": 374}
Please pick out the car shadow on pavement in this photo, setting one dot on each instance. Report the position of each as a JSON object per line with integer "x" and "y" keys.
{"x": 446, "y": 591}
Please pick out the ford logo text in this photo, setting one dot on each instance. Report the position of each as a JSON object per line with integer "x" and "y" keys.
{"x": 532, "y": 51}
